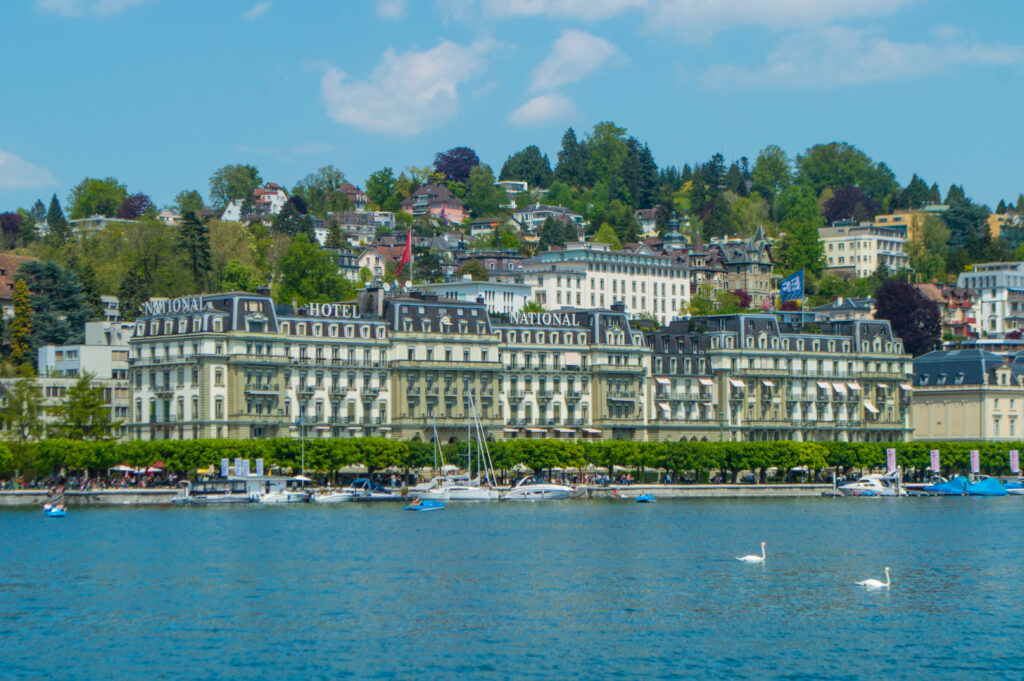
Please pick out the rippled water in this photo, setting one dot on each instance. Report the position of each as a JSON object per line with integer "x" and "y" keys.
{"x": 580, "y": 589}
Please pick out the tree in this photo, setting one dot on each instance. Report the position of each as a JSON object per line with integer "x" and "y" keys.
{"x": 239, "y": 277}
{"x": 772, "y": 172}
{"x": 309, "y": 274}
{"x": 59, "y": 307}
{"x": 528, "y": 165}
{"x": 38, "y": 214}
{"x": 91, "y": 290}
{"x": 850, "y": 203}
{"x": 456, "y": 163}
{"x": 92, "y": 196}
{"x": 743, "y": 298}
{"x": 135, "y": 206}
{"x": 335, "y": 239}
{"x": 83, "y": 415}
{"x": 532, "y": 306}
{"x": 572, "y": 161}
{"x": 607, "y": 151}
{"x": 799, "y": 221}
{"x": 838, "y": 164}
{"x": 133, "y": 292}
{"x": 21, "y": 325}
{"x": 381, "y": 187}
{"x": 56, "y": 223}
{"x": 473, "y": 268}
{"x": 482, "y": 197}
{"x": 291, "y": 222}
{"x": 913, "y": 317}
{"x": 606, "y": 235}
{"x": 556, "y": 233}
{"x": 188, "y": 200}
{"x": 233, "y": 182}
{"x": 194, "y": 239}
{"x": 22, "y": 411}
{"x": 928, "y": 249}
{"x": 320, "y": 191}
{"x": 700, "y": 306}
{"x": 10, "y": 226}
{"x": 967, "y": 222}
{"x": 428, "y": 264}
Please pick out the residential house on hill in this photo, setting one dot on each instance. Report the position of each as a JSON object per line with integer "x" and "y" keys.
{"x": 435, "y": 201}
{"x": 532, "y": 217}
{"x": 356, "y": 195}
{"x": 956, "y": 305}
{"x": 842, "y": 309}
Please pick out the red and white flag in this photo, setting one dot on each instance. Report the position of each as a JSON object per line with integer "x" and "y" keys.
{"x": 406, "y": 254}
{"x": 1014, "y": 461}
{"x": 890, "y": 459}
{"x": 935, "y": 461}
{"x": 975, "y": 463}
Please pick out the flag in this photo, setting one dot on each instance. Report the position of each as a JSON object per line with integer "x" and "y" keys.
{"x": 1015, "y": 461}
{"x": 935, "y": 461}
{"x": 890, "y": 459}
{"x": 406, "y": 254}
{"x": 792, "y": 287}
{"x": 975, "y": 463}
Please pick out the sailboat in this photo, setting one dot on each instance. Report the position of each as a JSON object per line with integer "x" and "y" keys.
{"x": 465, "y": 487}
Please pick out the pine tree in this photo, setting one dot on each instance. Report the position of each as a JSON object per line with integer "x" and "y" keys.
{"x": 56, "y": 223}
{"x": 132, "y": 293}
{"x": 194, "y": 238}
{"x": 21, "y": 325}
{"x": 94, "y": 303}
{"x": 334, "y": 238}
{"x": 83, "y": 414}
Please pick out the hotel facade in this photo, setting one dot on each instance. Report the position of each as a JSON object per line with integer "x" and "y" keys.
{"x": 239, "y": 365}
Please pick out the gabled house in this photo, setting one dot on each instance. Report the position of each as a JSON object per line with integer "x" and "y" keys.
{"x": 435, "y": 201}
{"x": 356, "y": 195}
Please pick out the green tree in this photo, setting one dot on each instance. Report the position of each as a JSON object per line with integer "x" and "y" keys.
{"x": 334, "y": 236}
{"x": 573, "y": 161}
{"x": 22, "y": 411}
{"x": 799, "y": 221}
{"x": 608, "y": 150}
{"x": 319, "y": 190}
{"x": 92, "y": 196}
{"x": 427, "y": 264}
{"x": 838, "y": 164}
{"x": 57, "y": 225}
{"x": 474, "y": 268}
{"x": 381, "y": 189}
{"x": 606, "y": 235}
{"x": 772, "y": 172}
{"x": 59, "y": 308}
{"x": 291, "y": 222}
{"x": 530, "y": 166}
{"x": 365, "y": 276}
{"x": 188, "y": 201}
{"x": 83, "y": 415}
{"x": 309, "y": 274}
{"x": 928, "y": 249}
{"x": 482, "y": 197}
{"x": 233, "y": 182}
{"x": 532, "y": 306}
{"x": 194, "y": 239}
{"x": 556, "y": 233}
{"x": 700, "y": 306}
{"x": 239, "y": 277}
{"x": 91, "y": 291}
{"x": 132, "y": 293}
{"x": 21, "y": 325}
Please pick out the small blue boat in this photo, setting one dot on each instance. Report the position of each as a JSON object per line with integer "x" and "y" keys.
{"x": 646, "y": 499}
{"x": 54, "y": 512}
{"x": 426, "y": 505}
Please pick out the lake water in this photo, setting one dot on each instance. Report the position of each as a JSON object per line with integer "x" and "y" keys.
{"x": 577, "y": 589}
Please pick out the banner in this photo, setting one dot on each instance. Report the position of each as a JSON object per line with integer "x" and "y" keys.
{"x": 259, "y": 467}
{"x": 935, "y": 461}
{"x": 245, "y": 468}
{"x": 975, "y": 467}
{"x": 224, "y": 468}
{"x": 792, "y": 287}
{"x": 238, "y": 466}
{"x": 890, "y": 459}
{"x": 1014, "y": 461}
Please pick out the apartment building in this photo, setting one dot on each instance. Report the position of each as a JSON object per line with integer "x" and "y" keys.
{"x": 999, "y": 296}
{"x": 859, "y": 250}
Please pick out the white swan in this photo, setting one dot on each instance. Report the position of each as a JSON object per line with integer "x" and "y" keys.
{"x": 753, "y": 558}
{"x": 875, "y": 584}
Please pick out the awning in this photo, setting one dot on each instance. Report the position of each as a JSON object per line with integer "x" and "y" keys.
{"x": 708, "y": 404}
{"x": 664, "y": 406}
{"x": 766, "y": 382}
{"x": 662, "y": 381}
{"x": 511, "y": 430}
{"x": 385, "y": 427}
{"x": 840, "y": 388}
{"x": 825, "y": 386}
{"x": 571, "y": 359}
{"x": 592, "y": 431}
{"x": 870, "y": 407}
{"x": 906, "y": 386}
{"x": 536, "y": 430}
{"x": 565, "y": 430}
{"x": 854, "y": 385}
{"x": 736, "y": 383}
{"x": 705, "y": 381}
{"x": 883, "y": 386}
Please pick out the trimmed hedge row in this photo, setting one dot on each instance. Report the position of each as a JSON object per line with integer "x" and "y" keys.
{"x": 377, "y": 453}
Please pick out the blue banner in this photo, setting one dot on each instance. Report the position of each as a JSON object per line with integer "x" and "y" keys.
{"x": 792, "y": 287}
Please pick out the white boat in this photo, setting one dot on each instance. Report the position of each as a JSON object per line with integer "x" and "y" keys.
{"x": 332, "y": 497}
{"x": 464, "y": 487}
{"x": 535, "y": 488}
{"x": 217, "y": 491}
{"x": 364, "y": 489}
{"x": 284, "y": 490}
{"x": 874, "y": 485}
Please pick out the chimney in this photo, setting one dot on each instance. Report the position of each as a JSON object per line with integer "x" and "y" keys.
{"x": 295, "y": 305}
{"x": 619, "y": 306}
{"x": 263, "y": 290}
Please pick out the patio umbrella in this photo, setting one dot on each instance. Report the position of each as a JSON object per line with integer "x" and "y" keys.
{"x": 122, "y": 467}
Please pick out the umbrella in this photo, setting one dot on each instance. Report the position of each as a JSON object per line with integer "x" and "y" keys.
{"x": 302, "y": 478}
{"x": 123, "y": 467}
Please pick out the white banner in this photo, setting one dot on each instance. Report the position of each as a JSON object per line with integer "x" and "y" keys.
{"x": 259, "y": 467}
{"x": 1014, "y": 461}
{"x": 224, "y": 468}
{"x": 975, "y": 467}
{"x": 935, "y": 461}
{"x": 890, "y": 459}
{"x": 245, "y": 467}
{"x": 238, "y": 465}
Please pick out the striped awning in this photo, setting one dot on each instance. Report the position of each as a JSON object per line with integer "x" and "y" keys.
{"x": 662, "y": 381}
{"x": 854, "y": 385}
{"x": 705, "y": 381}
{"x": 839, "y": 388}
{"x": 870, "y": 407}
{"x": 736, "y": 383}
{"x": 664, "y": 407}
{"x": 825, "y": 386}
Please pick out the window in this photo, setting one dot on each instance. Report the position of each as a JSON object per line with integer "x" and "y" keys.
{"x": 218, "y": 377}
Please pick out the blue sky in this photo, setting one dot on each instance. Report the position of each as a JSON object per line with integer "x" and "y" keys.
{"x": 160, "y": 93}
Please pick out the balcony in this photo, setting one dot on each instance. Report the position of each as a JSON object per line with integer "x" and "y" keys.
{"x": 369, "y": 391}
{"x": 264, "y": 388}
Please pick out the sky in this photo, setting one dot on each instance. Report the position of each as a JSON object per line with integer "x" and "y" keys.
{"x": 161, "y": 93}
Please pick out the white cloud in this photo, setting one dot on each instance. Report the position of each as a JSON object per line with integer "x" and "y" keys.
{"x": 583, "y": 10}
{"x": 543, "y": 109}
{"x": 256, "y": 11}
{"x": 574, "y": 55}
{"x": 406, "y": 93}
{"x": 390, "y": 9}
{"x": 17, "y": 173}
{"x": 79, "y": 8}
{"x": 839, "y": 56}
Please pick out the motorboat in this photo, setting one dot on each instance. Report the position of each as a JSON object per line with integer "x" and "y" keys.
{"x": 364, "y": 489}
{"x": 921, "y": 488}
{"x": 646, "y": 499}
{"x": 425, "y": 505}
{"x": 874, "y": 485}
{"x": 1015, "y": 487}
{"x": 55, "y": 512}
{"x": 332, "y": 497}
{"x": 217, "y": 491}
{"x": 284, "y": 491}
{"x": 535, "y": 488}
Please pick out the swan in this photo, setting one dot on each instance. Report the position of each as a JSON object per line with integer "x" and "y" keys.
{"x": 875, "y": 584}
{"x": 754, "y": 558}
